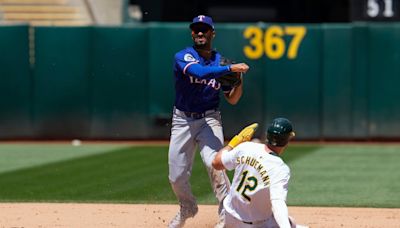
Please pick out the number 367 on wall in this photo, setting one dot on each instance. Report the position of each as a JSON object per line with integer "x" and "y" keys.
{"x": 272, "y": 42}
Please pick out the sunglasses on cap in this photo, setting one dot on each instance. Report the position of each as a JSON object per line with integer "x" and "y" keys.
{"x": 201, "y": 28}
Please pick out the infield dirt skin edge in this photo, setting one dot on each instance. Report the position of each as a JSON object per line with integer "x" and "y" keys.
{"x": 48, "y": 215}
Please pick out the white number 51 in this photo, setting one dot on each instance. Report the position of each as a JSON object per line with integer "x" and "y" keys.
{"x": 373, "y": 8}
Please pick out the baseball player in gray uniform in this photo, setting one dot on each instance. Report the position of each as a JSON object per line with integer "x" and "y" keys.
{"x": 196, "y": 119}
{"x": 257, "y": 197}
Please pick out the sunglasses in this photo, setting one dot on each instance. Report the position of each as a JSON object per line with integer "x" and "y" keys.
{"x": 203, "y": 29}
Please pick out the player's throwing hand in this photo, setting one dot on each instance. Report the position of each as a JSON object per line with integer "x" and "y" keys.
{"x": 239, "y": 67}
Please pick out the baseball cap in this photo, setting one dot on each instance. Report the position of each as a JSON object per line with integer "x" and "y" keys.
{"x": 202, "y": 19}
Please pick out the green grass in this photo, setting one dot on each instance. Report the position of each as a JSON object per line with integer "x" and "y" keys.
{"x": 133, "y": 174}
{"x": 14, "y": 156}
{"x": 347, "y": 175}
{"x": 328, "y": 175}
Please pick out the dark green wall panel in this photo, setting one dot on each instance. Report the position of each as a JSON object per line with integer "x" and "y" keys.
{"x": 337, "y": 81}
{"x": 119, "y": 82}
{"x": 360, "y": 39}
{"x": 15, "y": 86}
{"x": 292, "y": 86}
{"x": 61, "y": 79}
{"x": 384, "y": 80}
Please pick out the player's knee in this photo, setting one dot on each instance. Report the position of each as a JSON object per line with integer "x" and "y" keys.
{"x": 178, "y": 173}
{"x": 173, "y": 180}
{"x": 178, "y": 178}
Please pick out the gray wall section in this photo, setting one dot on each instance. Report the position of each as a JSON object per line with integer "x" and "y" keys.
{"x": 117, "y": 82}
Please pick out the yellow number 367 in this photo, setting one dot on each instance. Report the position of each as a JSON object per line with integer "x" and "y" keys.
{"x": 272, "y": 41}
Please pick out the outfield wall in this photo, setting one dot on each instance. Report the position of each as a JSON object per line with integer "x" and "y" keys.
{"x": 332, "y": 80}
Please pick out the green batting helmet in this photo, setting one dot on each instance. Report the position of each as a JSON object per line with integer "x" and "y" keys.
{"x": 280, "y": 132}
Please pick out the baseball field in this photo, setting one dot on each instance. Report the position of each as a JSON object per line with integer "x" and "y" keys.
{"x": 99, "y": 184}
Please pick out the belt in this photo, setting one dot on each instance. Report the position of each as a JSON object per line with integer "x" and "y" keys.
{"x": 256, "y": 222}
{"x": 195, "y": 115}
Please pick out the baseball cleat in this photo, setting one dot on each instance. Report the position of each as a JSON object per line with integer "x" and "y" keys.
{"x": 180, "y": 218}
{"x": 302, "y": 226}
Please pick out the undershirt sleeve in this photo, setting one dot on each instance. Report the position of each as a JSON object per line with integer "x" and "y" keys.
{"x": 193, "y": 68}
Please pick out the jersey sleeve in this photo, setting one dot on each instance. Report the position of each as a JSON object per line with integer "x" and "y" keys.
{"x": 279, "y": 183}
{"x": 228, "y": 158}
{"x": 184, "y": 60}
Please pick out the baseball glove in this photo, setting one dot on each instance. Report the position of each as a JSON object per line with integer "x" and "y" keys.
{"x": 232, "y": 79}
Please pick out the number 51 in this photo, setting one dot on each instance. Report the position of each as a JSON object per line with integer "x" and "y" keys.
{"x": 272, "y": 42}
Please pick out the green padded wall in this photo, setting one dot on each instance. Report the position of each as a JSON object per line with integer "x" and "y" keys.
{"x": 61, "y": 82}
{"x": 119, "y": 83}
{"x": 384, "y": 80}
{"x": 293, "y": 86}
{"x": 360, "y": 81}
{"x": 15, "y": 86}
{"x": 336, "y": 85}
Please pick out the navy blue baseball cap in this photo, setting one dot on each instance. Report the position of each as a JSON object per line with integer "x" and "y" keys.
{"x": 202, "y": 19}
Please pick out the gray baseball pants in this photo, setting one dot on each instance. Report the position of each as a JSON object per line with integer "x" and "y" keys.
{"x": 186, "y": 133}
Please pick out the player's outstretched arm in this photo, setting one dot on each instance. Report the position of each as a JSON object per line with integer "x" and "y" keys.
{"x": 206, "y": 72}
{"x": 217, "y": 162}
{"x": 281, "y": 214}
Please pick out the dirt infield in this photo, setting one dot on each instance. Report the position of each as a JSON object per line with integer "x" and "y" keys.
{"x": 43, "y": 215}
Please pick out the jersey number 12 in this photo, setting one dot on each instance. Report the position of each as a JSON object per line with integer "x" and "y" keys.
{"x": 246, "y": 183}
